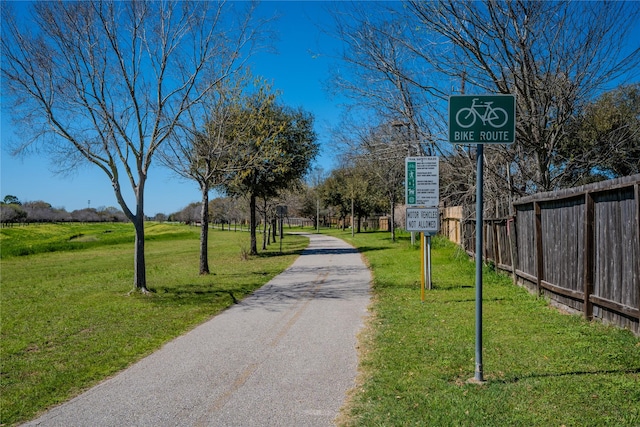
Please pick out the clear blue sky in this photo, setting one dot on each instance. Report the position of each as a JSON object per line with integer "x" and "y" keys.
{"x": 299, "y": 71}
{"x": 296, "y": 71}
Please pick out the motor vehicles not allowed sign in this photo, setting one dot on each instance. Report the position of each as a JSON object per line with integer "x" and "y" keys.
{"x": 425, "y": 220}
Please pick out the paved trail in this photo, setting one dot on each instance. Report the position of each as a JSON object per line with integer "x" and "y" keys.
{"x": 284, "y": 356}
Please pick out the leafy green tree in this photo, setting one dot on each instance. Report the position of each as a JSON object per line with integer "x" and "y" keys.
{"x": 11, "y": 200}
{"x": 284, "y": 142}
{"x": 352, "y": 191}
{"x": 604, "y": 141}
{"x": 333, "y": 194}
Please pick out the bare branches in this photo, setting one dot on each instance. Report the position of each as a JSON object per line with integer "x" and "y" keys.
{"x": 555, "y": 56}
{"x": 113, "y": 79}
{"x": 109, "y": 82}
{"x": 402, "y": 60}
{"x": 378, "y": 70}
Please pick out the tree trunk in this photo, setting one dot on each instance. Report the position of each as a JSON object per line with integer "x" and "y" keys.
{"x": 139, "y": 274}
{"x": 139, "y": 265}
{"x": 352, "y": 216}
{"x": 264, "y": 233}
{"x": 204, "y": 231}
{"x": 274, "y": 227}
{"x": 252, "y": 224}
{"x": 392, "y": 220}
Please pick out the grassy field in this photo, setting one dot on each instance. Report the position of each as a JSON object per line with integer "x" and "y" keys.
{"x": 67, "y": 322}
{"x": 543, "y": 368}
{"x": 67, "y": 319}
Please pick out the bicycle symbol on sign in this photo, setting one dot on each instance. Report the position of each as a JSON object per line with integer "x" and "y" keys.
{"x": 494, "y": 117}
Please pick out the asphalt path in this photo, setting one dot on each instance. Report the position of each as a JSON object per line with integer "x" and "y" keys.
{"x": 284, "y": 356}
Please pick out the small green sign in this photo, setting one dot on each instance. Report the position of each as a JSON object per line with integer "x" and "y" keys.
{"x": 411, "y": 183}
{"x": 482, "y": 119}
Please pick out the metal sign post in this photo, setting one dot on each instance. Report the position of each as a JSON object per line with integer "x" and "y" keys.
{"x": 426, "y": 221}
{"x": 479, "y": 372}
{"x": 281, "y": 212}
{"x": 474, "y": 119}
{"x": 422, "y": 195}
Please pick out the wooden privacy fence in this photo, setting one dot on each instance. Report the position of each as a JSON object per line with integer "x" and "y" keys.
{"x": 580, "y": 247}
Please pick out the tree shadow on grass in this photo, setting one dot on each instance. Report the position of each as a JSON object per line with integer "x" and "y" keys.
{"x": 272, "y": 254}
{"x": 198, "y": 294}
{"x": 484, "y": 300}
{"x": 518, "y": 378}
{"x": 318, "y": 251}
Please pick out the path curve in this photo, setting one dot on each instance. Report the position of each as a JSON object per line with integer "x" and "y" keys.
{"x": 284, "y": 356}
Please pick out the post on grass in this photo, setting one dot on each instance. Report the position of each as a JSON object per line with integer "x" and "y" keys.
{"x": 479, "y": 120}
{"x": 281, "y": 212}
{"x": 422, "y": 194}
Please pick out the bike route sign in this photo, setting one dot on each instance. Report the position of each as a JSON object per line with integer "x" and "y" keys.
{"x": 482, "y": 119}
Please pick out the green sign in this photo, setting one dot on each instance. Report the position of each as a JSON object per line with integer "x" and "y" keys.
{"x": 422, "y": 181}
{"x": 482, "y": 119}
{"x": 411, "y": 182}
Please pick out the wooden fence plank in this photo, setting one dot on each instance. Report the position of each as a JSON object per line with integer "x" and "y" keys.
{"x": 588, "y": 256}
{"x": 636, "y": 275}
{"x": 527, "y": 276}
{"x": 513, "y": 246}
{"x": 616, "y": 306}
{"x": 561, "y": 291}
{"x": 539, "y": 252}
{"x": 496, "y": 244}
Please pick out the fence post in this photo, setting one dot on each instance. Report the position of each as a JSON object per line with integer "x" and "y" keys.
{"x": 513, "y": 246}
{"x": 589, "y": 252}
{"x": 539, "y": 252}
{"x": 637, "y": 196}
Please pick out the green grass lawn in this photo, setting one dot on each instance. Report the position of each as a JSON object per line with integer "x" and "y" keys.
{"x": 543, "y": 368}
{"x": 68, "y": 320}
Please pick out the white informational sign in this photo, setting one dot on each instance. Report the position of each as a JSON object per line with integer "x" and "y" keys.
{"x": 422, "y": 181}
{"x": 425, "y": 220}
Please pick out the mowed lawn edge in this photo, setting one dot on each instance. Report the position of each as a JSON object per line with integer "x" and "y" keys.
{"x": 543, "y": 368}
{"x": 68, "y": 319}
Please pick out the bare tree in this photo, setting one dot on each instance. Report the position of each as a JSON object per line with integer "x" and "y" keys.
{"x": 402, "y": 59}
{"x": 555, "y": 56}
{"x": 107, "y": 82}
{"x": 12, "y": 213}
{"x": 378, "y": 72}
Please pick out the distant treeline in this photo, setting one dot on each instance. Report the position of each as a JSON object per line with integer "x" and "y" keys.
{"x": 12, "y": 211}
